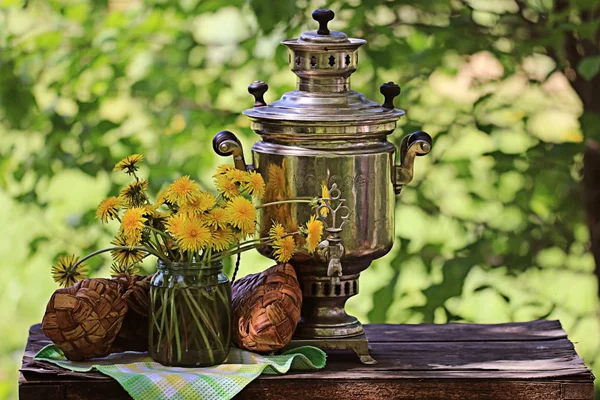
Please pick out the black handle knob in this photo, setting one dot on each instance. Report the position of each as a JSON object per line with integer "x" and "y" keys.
{"x": 258, "y": 90}
{"x": 323, "y": 16}
{"x": 226, "y": 143}
{"x": 389, "y": 91}
{"x": 424, "y": 141}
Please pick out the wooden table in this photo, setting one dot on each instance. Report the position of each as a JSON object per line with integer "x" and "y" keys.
{"x": 532, "y": 361}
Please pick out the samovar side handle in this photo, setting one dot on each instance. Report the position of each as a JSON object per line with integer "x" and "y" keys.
{"x": 413, "y": 145}
{"x": 225, "y": 144}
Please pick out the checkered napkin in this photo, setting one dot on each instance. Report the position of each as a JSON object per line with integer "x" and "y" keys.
{"x": 145, "y": 379}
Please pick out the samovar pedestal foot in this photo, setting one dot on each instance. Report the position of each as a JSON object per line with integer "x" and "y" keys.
{"x": 358, "y": 344}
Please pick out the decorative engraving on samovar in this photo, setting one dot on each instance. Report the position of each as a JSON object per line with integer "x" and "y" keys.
{"x": 323, "y": 134}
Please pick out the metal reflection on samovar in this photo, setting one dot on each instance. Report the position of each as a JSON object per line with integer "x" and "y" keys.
{"x": 324, "y": 139}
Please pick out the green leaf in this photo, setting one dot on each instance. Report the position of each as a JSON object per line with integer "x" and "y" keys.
{"x": 589, "y": 67}
{"x": 454, "y": 275}
{"x": 269, "y": 16}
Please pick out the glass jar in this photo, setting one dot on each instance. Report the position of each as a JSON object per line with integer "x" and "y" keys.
{"x": 190, "y": 314}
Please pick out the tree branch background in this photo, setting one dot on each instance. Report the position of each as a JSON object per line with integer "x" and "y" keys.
{"x": 491, "y": 230}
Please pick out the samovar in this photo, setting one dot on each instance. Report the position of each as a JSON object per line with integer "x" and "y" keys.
{"x": 325, "y": 140}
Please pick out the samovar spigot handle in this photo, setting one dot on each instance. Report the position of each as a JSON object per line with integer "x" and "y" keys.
{"x": 225, "y": 144}
{"x": 334, "y": 215}
{"x": 332, "y": 251}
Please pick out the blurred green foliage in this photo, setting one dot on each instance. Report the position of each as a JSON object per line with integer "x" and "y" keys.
{"x": 491, "y": 230}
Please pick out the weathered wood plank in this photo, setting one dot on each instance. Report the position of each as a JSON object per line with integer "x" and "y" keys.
{"x": 47, "y": 391}
{"x": 432, "y": 389}
{"x": 424, "y": 389}
{"x": 487, "y": 363}
{"x": 577, "y": 391}
{"x": 514, "y": 331}
{"x": 432, "y": 359}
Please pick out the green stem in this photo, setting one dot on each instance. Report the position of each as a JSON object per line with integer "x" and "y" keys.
{"x": 158, "y": 243}
{"x": 95, "y": 253}
{"x": 175, "y": 324}
{"x": 207, "y": 319}
{"x": 155, "y": 313}
{"x": 186, "y": 294}
{"x": 162, "y": 327}
{"x": 298, "y": 200}
{"x": 158, "y": 231}
{"x": 238, "y": 249}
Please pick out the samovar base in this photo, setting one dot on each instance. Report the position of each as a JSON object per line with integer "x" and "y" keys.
{"x": 358, "y": 344}
{"x": 337, "y": 326}
{"x": 323, "y": 313}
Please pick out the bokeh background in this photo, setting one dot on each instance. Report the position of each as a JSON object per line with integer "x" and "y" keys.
{"x": 491, "y": 230}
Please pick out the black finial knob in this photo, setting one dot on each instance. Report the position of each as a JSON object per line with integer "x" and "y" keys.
{"x": 389, "y": 91}
{"x": 258, "y": 90}
{"x": 323, "y": 16}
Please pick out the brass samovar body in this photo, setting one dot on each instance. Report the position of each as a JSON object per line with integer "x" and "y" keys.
{"x": 324, "y": 139}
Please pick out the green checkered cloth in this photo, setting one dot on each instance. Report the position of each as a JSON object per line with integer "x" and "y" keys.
{"x": 145, "y": 379}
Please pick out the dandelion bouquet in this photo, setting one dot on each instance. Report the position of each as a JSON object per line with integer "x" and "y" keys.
{"x": 191, "y": 231}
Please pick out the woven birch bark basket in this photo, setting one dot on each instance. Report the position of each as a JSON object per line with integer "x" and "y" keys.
{"x": 266, "y": 309}
{"x": 96, "y": 317}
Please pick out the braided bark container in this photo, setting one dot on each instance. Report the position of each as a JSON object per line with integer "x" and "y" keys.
{"x": 266, "y": 309}
{"x": 133, "y": 335}
{"x": 86, "y": 320}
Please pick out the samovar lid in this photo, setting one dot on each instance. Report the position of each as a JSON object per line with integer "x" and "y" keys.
{"x": 323, "y": 60}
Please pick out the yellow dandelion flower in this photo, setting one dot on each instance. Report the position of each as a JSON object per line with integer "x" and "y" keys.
{"x": 217, "y": 218}
{"x": 161, "y": 198}
{"x": 324, "y": 195}
{"x": 283, "y": 248}
{"x": 241, "y": 214}
{"x": 236, "y": 175}
{"x": 134, "y": 194}
{"x": 182, "y": 191}
{"x": 158, "y": 219}
{"x": 207, "y": 201}
{"x": 277, "y": 231}
{"x": 129, "y": 163}
{"x": 117, "y": 269}
{"x": 134, "y": 238}
{"x": 226, "y": 186}
{"x": 254, "y": 184}
{"x": 67, "y": 270}
{"x": 150, "y": 210}
{"x": 193, "y": 236}
{"x": 132, "y": 225}
{"x": 128, "y": 256}
{"x": 223, "y": 169}
{"x": 175, "y": 222}
{"x": 201, "y": 203}
{"x": 222, "y": 239}
{"x": 314, "y": 229}
{"x": 108, "y": 209}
